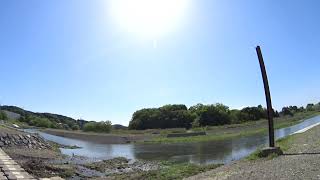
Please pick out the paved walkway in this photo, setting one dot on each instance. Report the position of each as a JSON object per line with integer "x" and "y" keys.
{"x": 9, "y": 169}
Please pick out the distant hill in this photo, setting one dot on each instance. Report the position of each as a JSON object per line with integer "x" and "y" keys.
{"x": 14, "y": 112}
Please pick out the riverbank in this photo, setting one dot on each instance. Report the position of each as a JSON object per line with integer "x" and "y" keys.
{"x": 217, "y": 133}
{"x": 32, "y": 153}
{"x": 301, "y": 160}
{"x": 155, "y": 136}
{"x": 45, "y": 162}
{"x": 98, "y": 137}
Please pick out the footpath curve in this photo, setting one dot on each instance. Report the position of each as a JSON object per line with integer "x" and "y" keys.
{"x": 9, "y": 169}
{"x": 301, "y": 160}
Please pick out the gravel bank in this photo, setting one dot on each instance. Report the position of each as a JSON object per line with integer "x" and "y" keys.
{"x": 300, "y": 161}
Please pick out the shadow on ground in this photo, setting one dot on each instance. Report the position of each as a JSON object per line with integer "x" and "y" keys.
{"x": 297, "y": 154}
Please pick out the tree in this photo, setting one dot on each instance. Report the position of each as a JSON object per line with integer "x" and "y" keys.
{"x": 214, "y": 115}
{"x": 41, "y": 122}
{"x": 317, "y": 107}
{"x": 301, "y": 109}
{"x": 276, "y": 114}
{"x": 168, "y": 116}
{"x": 286, "y": 111}
{"x": 253, "y": 113}
{"x": 310, "y": 107}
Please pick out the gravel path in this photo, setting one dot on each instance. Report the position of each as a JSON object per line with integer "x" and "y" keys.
{"x": 301, "y": 161}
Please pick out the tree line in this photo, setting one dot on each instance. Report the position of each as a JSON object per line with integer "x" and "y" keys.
{"x": 55, "y": 121}
{"x": 179, "y": 116}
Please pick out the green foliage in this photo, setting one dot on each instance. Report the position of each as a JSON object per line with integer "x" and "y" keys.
{"x": 57, "y": 121}
{"x": 41, "y": 122}
{"x": 168, "y": 116}
{"x": 310, "y": 107}
{"x": 178, "y": 116}
{"x": 101, "y": 127}
{"x": 3, "y": 116}
{"x": 286, "y": 111}
{"x": 75, "y": 127}
{"x": 258, "y": 155}
{"x": 213, "y": 115}
{"x": 253, "y": 113}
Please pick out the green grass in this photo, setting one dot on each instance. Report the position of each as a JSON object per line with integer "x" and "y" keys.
{"x": 202, "y": 138}
{"x": 220, "y": 134}
{"x": 257, "y": 155}
{"x": 170, "y": 171}
{"x": 285, "y": 143}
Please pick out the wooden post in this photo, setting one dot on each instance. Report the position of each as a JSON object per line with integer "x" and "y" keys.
{"x": 268, "y": 97}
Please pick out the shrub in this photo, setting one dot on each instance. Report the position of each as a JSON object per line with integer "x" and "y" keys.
{"x": 41, "y": 122}
{"x": 75, "y": 127}
{"x": 3, "y": 116}
{"x": 101, "y": 127}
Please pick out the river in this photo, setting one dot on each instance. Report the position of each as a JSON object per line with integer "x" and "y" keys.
{"x": 200, "y": 152}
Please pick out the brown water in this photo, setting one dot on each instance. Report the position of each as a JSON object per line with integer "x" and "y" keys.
{"x": 200, "y": 152}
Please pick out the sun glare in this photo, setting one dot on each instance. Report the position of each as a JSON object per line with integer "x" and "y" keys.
{"x": 148, "y": 18}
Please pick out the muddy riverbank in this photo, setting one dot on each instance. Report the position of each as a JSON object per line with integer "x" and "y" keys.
{"x": 96, "y": 137}
{"x": 43, "y": 159}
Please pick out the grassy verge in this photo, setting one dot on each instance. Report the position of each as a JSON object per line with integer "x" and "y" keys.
{"x": 231, "y": 131}
{"x": 169, "y": 171}
{"x": 203, "y": 138}
{"x": 285, "y": 143}
{"x": 257, "y": 155}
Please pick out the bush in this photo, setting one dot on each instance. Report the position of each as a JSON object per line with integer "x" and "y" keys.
{"x": 75, "y": 127}
{"x": 41, "y": 122}
{"x": 101, "y": 127}
{"x": 3, "y": 116}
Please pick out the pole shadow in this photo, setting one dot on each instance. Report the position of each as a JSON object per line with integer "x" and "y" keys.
{"x": 305, "y": 153}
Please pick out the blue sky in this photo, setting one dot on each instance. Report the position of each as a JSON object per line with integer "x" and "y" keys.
{"x": 69, "y": 57}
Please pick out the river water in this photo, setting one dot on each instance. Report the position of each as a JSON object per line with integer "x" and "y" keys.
{"x": 200, "y": 153}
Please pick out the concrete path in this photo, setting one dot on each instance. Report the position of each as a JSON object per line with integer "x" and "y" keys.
{"x": 9, "y": 169}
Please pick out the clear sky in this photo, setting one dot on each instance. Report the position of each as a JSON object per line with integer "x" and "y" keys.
{"x": 82, "y": 59}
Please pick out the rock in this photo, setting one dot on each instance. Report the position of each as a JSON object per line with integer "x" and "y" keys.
{"x": 270, "y": 150}
{"x": 21, "y": 140}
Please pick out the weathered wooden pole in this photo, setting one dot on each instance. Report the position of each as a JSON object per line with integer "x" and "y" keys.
{"x": 268, "y": 97}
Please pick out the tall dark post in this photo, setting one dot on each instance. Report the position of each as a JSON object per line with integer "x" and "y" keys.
{"x": 268, "y": 97}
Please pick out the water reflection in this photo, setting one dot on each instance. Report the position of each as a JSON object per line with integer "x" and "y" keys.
{"x": 200, "y": 153}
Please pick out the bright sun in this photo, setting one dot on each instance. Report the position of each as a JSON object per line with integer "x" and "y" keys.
{"x": 148, "y": 18}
